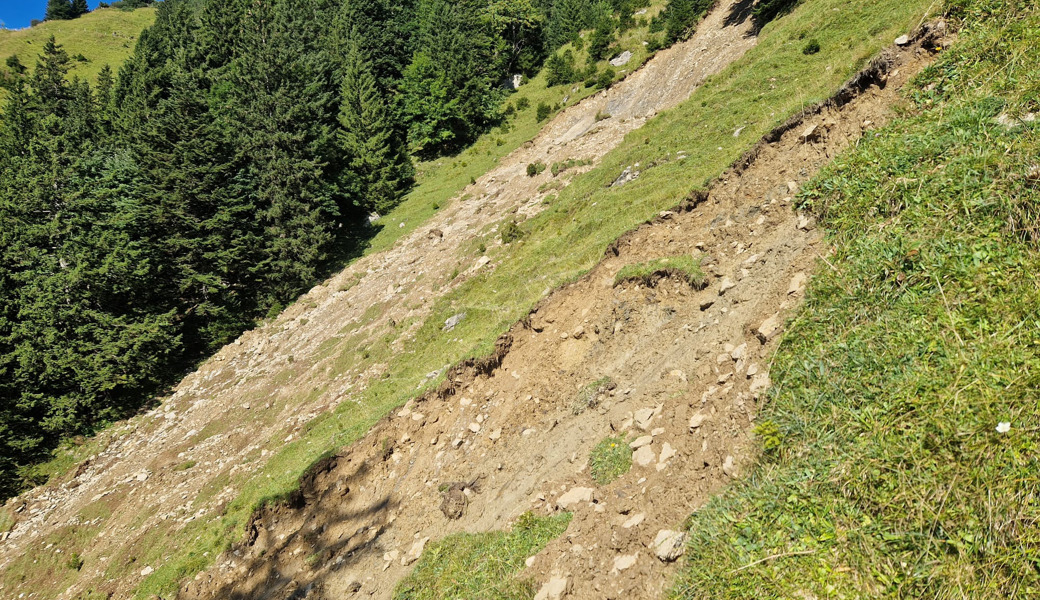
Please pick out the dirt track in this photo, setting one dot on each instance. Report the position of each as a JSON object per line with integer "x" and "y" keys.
{"x": 690, "y": 366}
{"x": 264, "y": 387}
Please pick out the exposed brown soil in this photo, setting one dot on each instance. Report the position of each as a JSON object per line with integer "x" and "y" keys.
{"x": 227, "y": 417}
{"x": 504, "y": 435}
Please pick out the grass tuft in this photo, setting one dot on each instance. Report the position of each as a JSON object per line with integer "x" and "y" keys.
{"x": 610, "y": 459}
{"x": 589, "y": 395}
{"x": 482, "y": 566}
{"x": 683, "y": 268}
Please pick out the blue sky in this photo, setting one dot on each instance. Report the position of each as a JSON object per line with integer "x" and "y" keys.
{"x": 15, "y": 14}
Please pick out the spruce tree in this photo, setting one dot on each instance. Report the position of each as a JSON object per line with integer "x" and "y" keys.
{"x": 79, "y": 8}
{"x": 379, "y": 169}
{"x": 58, "y": 10}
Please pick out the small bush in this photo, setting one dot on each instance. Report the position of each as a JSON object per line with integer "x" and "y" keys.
{"x": 522, "y": 103}
{"x": 511, "y": 232}
{"x": 605, "y": 79}
{"x": 812, "y": 47}
{"x": 610, "y": 459}
{"x": 543, "y": 112}
{"x": 559, "y": 69}
{"x": 535, "y": 168}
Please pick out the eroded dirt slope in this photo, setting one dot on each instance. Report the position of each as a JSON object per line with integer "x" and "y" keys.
{"x": 181, "y": 463}
{"x": 688, "y": 367}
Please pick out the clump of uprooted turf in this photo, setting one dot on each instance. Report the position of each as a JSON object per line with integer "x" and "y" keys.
{"x": 900, "y": 450}
{"x": 683, "y": 268}
{"x": 482, "y": 565}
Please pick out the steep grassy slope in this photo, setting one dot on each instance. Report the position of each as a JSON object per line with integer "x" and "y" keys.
{"x": 900, "y": 446}
{"x": 760, "y": 91}
{"x": 103, "y": 37}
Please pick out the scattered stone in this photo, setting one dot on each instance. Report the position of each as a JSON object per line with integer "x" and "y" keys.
{"x": 554, "y": 589}
{"x": 728, "y": 467}
{"x": 455, "y": 501}
{"x": 667, "y": 452}
{"x": 145, "y": 572}
{"x": 474, "y": 427}
{"x": 706, "y": 304}
{"x": 739, "y": 352}
{"x": 752, "y": 370}
{"x": 657, "y": 431}
{"x": 623, "y": 562}
{"x": 483, "y": 260}
{"x": 580, "y": 331}
{"x": 697, "y": 420}
{"x": 142, "y": 476}
{"x": 415, "y": 552}
{"x": 634, "y": 520}
{"x": 494, "y": 435}
{"x": 726, "y": 285}
{"x": 678, "y": 374}
{"x": 805, "y": 222}
{"x": 627, "y": 175}
{"x": 797, "y": 284}
{"x": 792, "y": 187}
{"x": 643, "y": 417}
{"x": 811, "y": 134}
{"x": 451, "y": 322}
{"x": 759, "y": 383}
{"x": 621, "y": 59}
{"x": 574, "y": 496}
{"x": 669, "y": 545}
{"x": 354, "y": 587}
{"x": 769, "y": 328}
{"x": 643, "y": 456}
{"x": 903, "y": 40}
{"x": 639, "y": 442}
{"x": 530, "y": 561}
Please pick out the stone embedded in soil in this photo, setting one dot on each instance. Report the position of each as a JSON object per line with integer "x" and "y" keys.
{"x": 634, "y": 520}
{"x": 769, "y": 328}
{"x": 805, "y": 222}
{"x": 574, "y": 496}
{"x": 706, "y": 303}
{"x": 643, "y": 417}
{"x": 145, "y": 572}
{"x": 759, "y": 383}
{"x": 669, "y": 545}
{"x": 494, "y": 435}
{"x": 729, "y": 467}
{"x": 554, "y": 589}
{"x": 697, "y": 420}
{"x": 474, "y": 427}
{"x": 726, "y": 285}
{"x": 623, "y": 562}
{"x": 414, "y": 552}
{"x": 739, "y": 352}
{"x": 903, "y": 40}
{"x": 797, "y": 284}
{"x": 667, "y": 452}
{"x": 639, "y": 442}
{"x": 643, "y": 456}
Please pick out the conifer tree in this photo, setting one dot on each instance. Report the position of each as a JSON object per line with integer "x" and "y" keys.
{"x": 379, "y": 169}
{"x": 79, "y": 8}
{"x": 59, "y": 10}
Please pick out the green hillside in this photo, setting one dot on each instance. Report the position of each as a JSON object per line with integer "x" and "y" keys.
{"x": 104, "y": 36}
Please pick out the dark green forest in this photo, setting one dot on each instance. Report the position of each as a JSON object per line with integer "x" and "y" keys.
{"x": 151, "y": 216}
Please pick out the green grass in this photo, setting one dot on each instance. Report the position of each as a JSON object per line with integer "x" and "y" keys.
{"x": 758, "y": 92}
{"x": 610, "y": 459}
{"x": 104, "y": 36}
{"x": 886, "y": 472}
{"x": 683, "y": 268}
{"x": 481, "y": 566}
